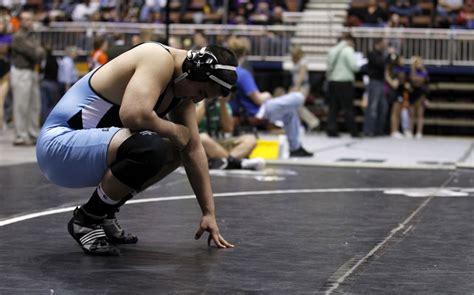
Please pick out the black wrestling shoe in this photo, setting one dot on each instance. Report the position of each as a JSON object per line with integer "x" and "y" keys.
{"x": 301, "y": 152}
{"x": 218, "y": 163}
{"x": 116, "y": 234}
{"x": 88, "y": 231}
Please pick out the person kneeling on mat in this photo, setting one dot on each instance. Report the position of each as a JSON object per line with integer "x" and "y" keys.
{"x": 109, "y": 131}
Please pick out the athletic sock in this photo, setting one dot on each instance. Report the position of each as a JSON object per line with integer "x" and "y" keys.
{"x": 233, "y": 163}
{"x": 100, "y": 204}
{"x": 111, "y": 214}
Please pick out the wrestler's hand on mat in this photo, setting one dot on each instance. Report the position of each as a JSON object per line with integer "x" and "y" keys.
{"x": 181, "y": 136}
{"x": 209, "y": 224}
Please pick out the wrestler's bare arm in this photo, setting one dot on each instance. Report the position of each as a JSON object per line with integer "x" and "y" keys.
{"x": 195, "y": 163}
{"x": 153, "y": 71}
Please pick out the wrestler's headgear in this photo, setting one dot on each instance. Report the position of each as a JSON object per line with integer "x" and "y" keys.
{"x": 202, "y": 65}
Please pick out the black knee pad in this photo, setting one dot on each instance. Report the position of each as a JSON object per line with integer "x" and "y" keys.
{"x": 139, "y": 158}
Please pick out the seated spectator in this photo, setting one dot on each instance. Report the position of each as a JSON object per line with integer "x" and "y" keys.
{"x": 466, "y": 15}
{"x": 108, "y": 14}
{"x": 394, "y": 41}
{"x": 84, "y": 10}
{"x": 212, "y": 12}
{"x": 394, "y": 21}
{"x": 148, "y": 8}
{"x": 447, "y": 11}
{"x": 418, "y": 96}
{"x": 449, "y": 7}
{"x": 262, "y": 13}
{"x": 239, "y": 16}
{"x": 404, "y": 7}
{"x": 373, "y": 15}
{"x": 262, "y": 105}
{"x": 215, "y": 120}
{"x": 276, "y": 17}
{"x": 58, "y": 10}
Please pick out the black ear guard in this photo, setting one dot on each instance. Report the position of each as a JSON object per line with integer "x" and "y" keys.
{"x": 202, "y": 65}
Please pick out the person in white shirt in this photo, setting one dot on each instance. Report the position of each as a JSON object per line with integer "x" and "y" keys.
{"x": 67, "y": 73}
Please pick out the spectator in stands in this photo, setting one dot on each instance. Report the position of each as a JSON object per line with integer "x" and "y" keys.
{"x": 394, "y": 21}
{"x": 240, "y": 15}
{"x": 199, "y": 39}
{"x": 136, "y": 40}
{"x": 156, "y": 17}
{"x": 404, "y": 7}
{"x": 262, "y": 105}
{"x": 394, "y": 41}
{"x": 374, "y": 15}
{"x": 215, "y": 120}
{"x": 300, "y": 82}
{"x": 341, "y": 69}
{"x": 131, "y": 12}
{"x": 466, "y": 15}
{"x": 5, "y": 42}
{"x": 376, "y": 112}
{"x": 108, "y": 14}
{"x": 148, "y": 8}
{"x": 84, "y": 10}
{"x": 58, "y": 10}
{"x": 98, "y": 56}
{"x": 418, "y": 97}
{"x": 175, "y": 42}
{"x": 276, "y": 17}
{"x": 49, "y": 86}
{"x": 147, "y": 35}
{"x": 26, "y": 54}
{"x": 212, "y": 12}
{"x": 67, "y": 72}
{"x": 118, "y": 46}
{"x": 262, "y": 14}
{"x": 447, "y": 11}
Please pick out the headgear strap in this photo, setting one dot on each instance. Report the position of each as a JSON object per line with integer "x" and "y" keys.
{"x": 203, "y": 66}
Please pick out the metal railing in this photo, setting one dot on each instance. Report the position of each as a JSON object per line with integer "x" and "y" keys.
{"x": 271, "y": 43}
{"x": 435, "y": 46}
{"x": 268, "y": 43}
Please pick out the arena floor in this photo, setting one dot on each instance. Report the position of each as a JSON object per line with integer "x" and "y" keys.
{"x": 350, "y": 221}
